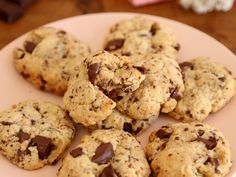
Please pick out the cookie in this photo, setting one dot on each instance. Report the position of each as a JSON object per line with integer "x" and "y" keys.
{"x": 123, "y": 122}
{"x": 106, "y": 153}
{"x": 188, "y": 149}
{"x": 159, "y": 92}
{"x": 141, "y": 36}
{"x": 208, "y": 87}
{"x": 34, "y": 134}
{"x": 97, "y": 84}
{"x": 48, "y": 57}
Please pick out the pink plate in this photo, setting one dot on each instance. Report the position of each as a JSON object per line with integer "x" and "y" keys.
{"x": 92, "y": 29}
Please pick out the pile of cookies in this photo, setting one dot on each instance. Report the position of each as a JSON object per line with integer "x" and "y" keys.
{"x": 117, "y": 93}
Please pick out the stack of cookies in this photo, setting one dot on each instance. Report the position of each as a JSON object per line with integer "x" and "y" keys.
{"x": 117, "y": 93}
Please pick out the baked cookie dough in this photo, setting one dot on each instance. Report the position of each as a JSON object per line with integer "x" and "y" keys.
{"x": 97, "y": 84}
{"x": 34, "y": 133}
{"x": 159, "y": 92}
{"x": 208, "y": 87}
{"x": 141, "y": 36}
{"x": 188, "y": 149}
{"x": 48, "y": 57}
{"x": 106, "y": 153}
{"x": 123, "y": 122}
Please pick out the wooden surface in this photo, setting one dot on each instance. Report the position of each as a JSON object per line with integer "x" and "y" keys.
{"x": 220, "y": 25}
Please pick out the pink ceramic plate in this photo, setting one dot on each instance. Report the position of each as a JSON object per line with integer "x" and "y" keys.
{"x": 92, "y": 29}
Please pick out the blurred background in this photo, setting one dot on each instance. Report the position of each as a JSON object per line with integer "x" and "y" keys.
{"x": 218, "y": 24}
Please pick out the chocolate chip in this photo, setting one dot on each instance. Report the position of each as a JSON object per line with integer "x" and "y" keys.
{"x": 103, "y": 153}
{"x": 44, "y": 146}
{"x": 141, "y": 69}
{"x": 128, "y": 127}
{"x": 185, "y": 65}
{"x": 176, "y": 138}
{"x": 222, "y": 79}
{"x": 177, "y": 47}
{"x": 209, "y": 143}
{"x": 76, "y": 152}
{"x": 114, "y": 44}
{"x": 21, "y": 153}
{"x": 22, "y": 136}
{"x": 93, "y": 70}
{"x": 162, "y": 134}
{"x": 25, "y": 75}
{"x": 61, "y": 32}
{"x": 33, "y": 122}
{"x": 214, "y": 162}
{"x": 6, "y": 123}
{"x": 20, "y": 53}
{"x": 200, "y": 132}
{"x": 114, "y": 95}
{"x": 107, "y": 172}
{"x": 174, "y": 94}
{"x": 185, "y": 129}
{"x": 154, "y": 29}
{"x": 126, "y": 54}
{"x": 30, "y": 46}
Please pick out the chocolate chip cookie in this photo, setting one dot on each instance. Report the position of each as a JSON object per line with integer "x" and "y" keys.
{"x": 141, "y": 36}
{"x": 188, "y": 149}
{"x": 123, "y": 122}
{"x": 208, "y": 87}
{"x": 34, "y": 133}
{"x": 106, "y": 153}
{"x": 48, "y": 57}
{"x": 97, "y": 84}
{"x": 159, "y": 92}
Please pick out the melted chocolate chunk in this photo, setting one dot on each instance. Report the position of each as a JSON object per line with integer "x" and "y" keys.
{"x": 153, "y": 29}
{"x": 6, "y": 123}
{"x": 107, "y": 172}
{"x": 209, "y": 143}
{"x": 30, "y": 46}
{"x": 103, "y": 154}
{"x": 214, "y": 162}
{"x": 114, "y": 95}
{"x": 177, "y": 47}
{"x": 222, "y": 79}
{"x": 162, "y": 134}
{"x": 114, "y": 44}
{"x": 44, "y": 146}
{"x": 174, "y": 94}
{"x": 23, "y": 136}
{"x": 126, "y": 54}
{"x": 93, "y": 70}
{"x": 141, "y": 69}
{"x": 185, "y": 65}
{"x": 76, "y": 152}
{"x": 128, "y": 127}
{"x": 200, "y": 132}
{"x": 22, "y": 153}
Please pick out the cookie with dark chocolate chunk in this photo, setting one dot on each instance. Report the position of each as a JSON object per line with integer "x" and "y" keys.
{"x": 208, "y": 87}
{"x": 47, "y": 58}
{"x": 199, "y": 148}
{"x": 35, "y": 133}
{"x": 106, "y": 153}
